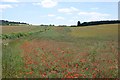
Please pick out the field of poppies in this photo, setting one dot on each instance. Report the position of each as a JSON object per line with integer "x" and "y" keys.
{"x": 63, "y": 52}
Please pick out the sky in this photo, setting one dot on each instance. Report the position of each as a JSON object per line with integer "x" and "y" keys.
{"x": 58, "y": 12}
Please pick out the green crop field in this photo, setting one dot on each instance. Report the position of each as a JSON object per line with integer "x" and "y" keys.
{"x": 60, "y": 52}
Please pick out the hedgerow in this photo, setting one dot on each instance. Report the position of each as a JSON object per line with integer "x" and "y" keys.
{"x": 19, "y": 35}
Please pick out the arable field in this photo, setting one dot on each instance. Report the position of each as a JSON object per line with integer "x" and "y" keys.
{"x": 61, "y": 52}
{"x": 16, "y": 29}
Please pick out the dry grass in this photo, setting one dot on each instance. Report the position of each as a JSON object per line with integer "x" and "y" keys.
{"x": 17, "y": 29}
{"x": 93, "y": 31}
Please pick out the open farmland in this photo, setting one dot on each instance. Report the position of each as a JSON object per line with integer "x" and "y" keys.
{"x": 17, "y": 29}
{"x": 61, "y": 52}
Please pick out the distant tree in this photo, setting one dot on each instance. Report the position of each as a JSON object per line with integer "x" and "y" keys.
{"x": 73, "y": 26}
{"x": 50, "y": 25}
{"x": 41, "y": 25}
{"x": 62, "y": 25}
{"x": 5, "y": 22}
{"x": 78, "y": 23}
{"x": 99, "y": 22}
{"x": 84, "y": 24}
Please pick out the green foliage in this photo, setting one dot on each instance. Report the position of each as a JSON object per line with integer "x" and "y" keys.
{"x": 19, "y": 35}
{"x": 78, "y": 23}
{"x": 98, "y": 22}
{"x": 92, "y": 56}
{"x": 13, "y": 35}
{"x": 12, "y": 61}
{"x": 11, "y": 23}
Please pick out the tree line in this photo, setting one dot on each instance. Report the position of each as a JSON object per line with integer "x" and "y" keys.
{"x": 5, "y": 22}
{"x": 97, "y": 22}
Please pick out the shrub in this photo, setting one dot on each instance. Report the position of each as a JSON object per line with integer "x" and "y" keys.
{"x": 19, "y": 35}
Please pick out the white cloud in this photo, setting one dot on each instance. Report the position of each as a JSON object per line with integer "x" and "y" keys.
{"x": 47, "y": 3}
{"x": 68, "y": 10}
{"x": 60, "y": 18}
{"x": 71, "y": 20}
{"x": 83, "y": 13}
{"x": 94, "y": 16}
{"x": 5, "y": 6}
{"x": 9, "y": 1}
{"x": 51, "y": 15}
